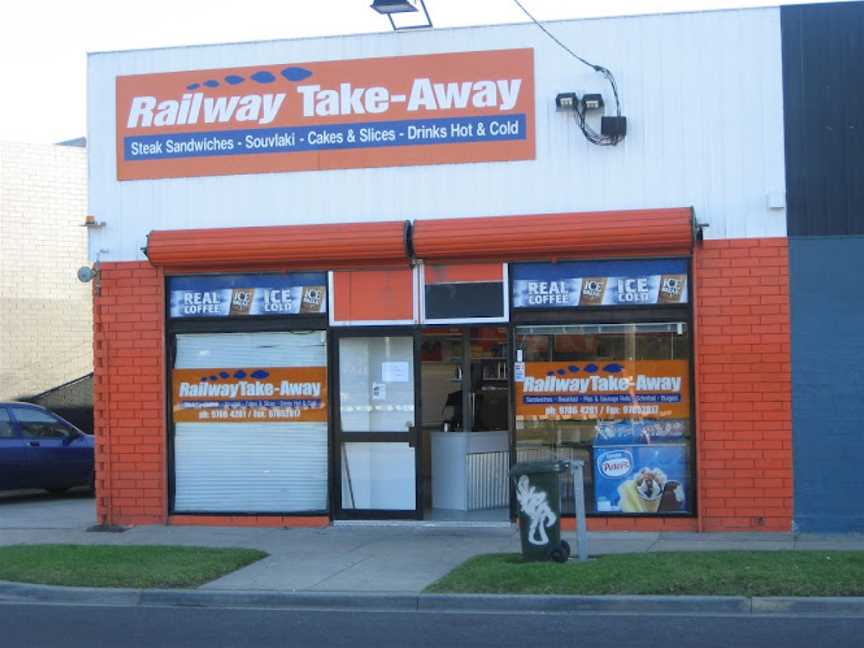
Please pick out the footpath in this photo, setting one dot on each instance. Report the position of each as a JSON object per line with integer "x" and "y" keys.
{"x": 387, "y": 567}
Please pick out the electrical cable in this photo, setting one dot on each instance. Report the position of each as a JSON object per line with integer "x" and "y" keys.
{"x": 590, "y": 134}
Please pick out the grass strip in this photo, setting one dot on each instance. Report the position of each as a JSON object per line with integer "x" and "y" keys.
{"x": 716, "y": 573}
{"x": 148, "y": 566}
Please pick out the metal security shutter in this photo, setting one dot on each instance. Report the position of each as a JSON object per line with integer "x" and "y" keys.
{"x": 655, "y": 232}
{"x": 294, "y": 349}
{"x": 323, "y": 246}
{"x": 250, "y": 467}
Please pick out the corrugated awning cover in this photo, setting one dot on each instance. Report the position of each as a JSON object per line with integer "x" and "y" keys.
{"x": 308, "y": 246}
{"x": 612, "y": 233}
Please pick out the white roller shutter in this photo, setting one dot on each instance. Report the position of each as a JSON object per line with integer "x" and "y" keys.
{"x": 250, "y": 467}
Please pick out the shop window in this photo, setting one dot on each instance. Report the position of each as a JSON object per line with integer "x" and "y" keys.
{"x": 250, "y": 422}
{"x": 616, "y": 396}
{"x": 464, "y": 293}
{"x": 376, "y": 384}
{"x": 378, "y": 476}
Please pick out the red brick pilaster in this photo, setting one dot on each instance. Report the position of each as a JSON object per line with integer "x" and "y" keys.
{"x": 129, "y": 394}
{"x": 744, "y": 384}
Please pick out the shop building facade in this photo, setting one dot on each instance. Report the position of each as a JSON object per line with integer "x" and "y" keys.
{"x": 359, "y": 277}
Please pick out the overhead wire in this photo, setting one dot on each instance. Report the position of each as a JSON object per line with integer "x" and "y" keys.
{"x": 587, "y": 130}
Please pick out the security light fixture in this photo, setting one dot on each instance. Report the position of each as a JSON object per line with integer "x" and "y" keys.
{"x": 390, "y": 7}
{"x": 612, "y": 131}
{"x": 394, "y": 6}
{"x": 567, "y": 101}
{"x": 87, "y": 274}
{"x": 592, "y": 102}
{"x": 613, "y": 127}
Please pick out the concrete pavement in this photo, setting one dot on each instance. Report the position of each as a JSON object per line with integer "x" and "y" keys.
{"x": 41, "y": 510}
{"x": 399, "y": 558}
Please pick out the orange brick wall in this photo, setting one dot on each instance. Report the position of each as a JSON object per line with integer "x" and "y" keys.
{"x": 744, "y": 384}
{"x": 129, "y": 396}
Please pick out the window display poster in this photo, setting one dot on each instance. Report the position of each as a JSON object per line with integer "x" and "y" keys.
{"x": 301, "y": 293}
{"x": 641, "y": 479}
{"x": 599, "y": 283}
{"x": 604, "y": 390}
{"x": 624, "y": 432}
{"x": 250, "y": 395}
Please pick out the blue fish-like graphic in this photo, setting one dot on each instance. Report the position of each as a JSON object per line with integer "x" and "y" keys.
{"x": 296, "y": 73}
{"x": 259, "y": 374}
{"x": 573, "y": 368}
{"x": 591, "y": 368}
{"x": 239, "y": 374}
{"x": 292, "y": 74}
{"x": 263, "y": 76}
{"x": 613, "y": 367}
{"x": 224, "y": 374}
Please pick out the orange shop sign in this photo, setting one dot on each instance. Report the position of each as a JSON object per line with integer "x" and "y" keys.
{"x": 275, "y": 395}
{"x": 603, "y": 390}
{"x": 407, "y": 110}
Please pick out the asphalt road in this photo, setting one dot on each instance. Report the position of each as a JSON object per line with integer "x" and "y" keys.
{"x": 46, "y": 626}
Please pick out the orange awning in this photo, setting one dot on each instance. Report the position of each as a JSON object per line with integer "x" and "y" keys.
{"x": 307, "y": 246}
{"x": 651, "y": 232}
{"x": 654, "y": 232}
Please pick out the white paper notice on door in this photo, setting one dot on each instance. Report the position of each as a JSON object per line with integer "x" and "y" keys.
{"x": 519, "y": 372}
{"x": 395, "y": 372}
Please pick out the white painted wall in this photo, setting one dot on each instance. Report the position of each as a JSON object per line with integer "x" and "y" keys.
{"x": 702, "y": 93}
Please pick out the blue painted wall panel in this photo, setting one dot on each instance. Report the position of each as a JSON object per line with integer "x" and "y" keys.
{"x": 827, "y": 301}
{"x": 823, "y": 102}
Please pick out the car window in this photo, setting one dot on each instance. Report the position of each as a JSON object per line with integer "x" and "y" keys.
{"x": 36, "y": 423}
{"x": 6, "y": 429}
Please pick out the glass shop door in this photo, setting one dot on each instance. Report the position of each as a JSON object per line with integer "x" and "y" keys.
{"x": 377, "y": 409}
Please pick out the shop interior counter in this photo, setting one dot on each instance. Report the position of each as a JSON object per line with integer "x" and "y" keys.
{"x": 450, "y": 478}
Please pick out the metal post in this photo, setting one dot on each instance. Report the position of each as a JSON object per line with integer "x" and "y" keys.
{"x": 467, "y": 383}
{"x": 576, "y": 466}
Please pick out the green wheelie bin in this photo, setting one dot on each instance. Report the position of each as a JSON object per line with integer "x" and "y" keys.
{"x": 538, "y": 495}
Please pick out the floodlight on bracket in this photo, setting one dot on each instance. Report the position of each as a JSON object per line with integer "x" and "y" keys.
{"x": 391, "y": 7}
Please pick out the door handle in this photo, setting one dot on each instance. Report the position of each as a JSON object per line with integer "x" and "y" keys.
{"x": 33, "y": 444}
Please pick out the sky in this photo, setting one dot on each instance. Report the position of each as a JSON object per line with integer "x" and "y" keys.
{"x": 44, "y": 43}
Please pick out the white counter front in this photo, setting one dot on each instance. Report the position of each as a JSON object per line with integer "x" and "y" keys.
{"x": 449, "y": 449}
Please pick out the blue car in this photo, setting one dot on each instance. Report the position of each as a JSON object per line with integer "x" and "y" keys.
{"x": 38, "y": 449}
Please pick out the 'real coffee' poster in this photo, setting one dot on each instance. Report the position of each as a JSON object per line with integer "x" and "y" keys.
{"x": 599, "y": 283}
{"x": 248, "y": 295}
